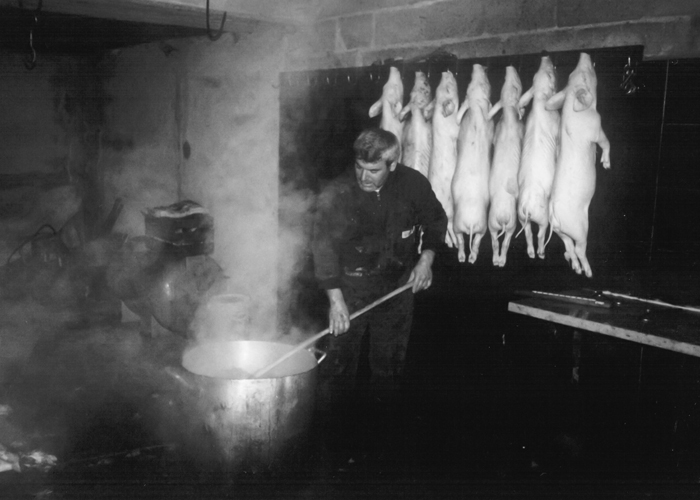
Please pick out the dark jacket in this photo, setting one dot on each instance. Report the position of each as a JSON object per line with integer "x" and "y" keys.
{"x": 360, "y": 234}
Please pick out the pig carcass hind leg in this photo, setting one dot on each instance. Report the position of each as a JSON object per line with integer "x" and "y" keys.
{"x": 474, "y": 247}
{"x": 528, "y": 237}
{"x": 576, "y": 247}
{"x": 505, "y": 245}
{"x": 450, "y": 237}
{"x": 570, "y": 254}
{"x": 496, "y": 247}
{"x": 580, "y": 249}
{"x": 541, "y": 233}
{"x": 461, "y": 255}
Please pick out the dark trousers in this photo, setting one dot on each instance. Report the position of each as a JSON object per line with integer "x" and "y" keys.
{"x": 357, "y": 408}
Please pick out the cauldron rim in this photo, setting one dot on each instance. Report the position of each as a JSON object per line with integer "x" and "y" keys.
{"x": 206, "y": 358}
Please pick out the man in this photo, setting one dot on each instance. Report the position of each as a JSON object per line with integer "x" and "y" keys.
{"x": 365, "y": 245}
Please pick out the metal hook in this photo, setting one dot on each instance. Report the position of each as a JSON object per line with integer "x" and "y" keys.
{"x": 215, "y": 37}
{"x": 30, "y": 61}
{"x": 628, "y": 84}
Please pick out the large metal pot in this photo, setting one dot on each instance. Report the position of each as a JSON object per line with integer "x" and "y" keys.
{"x": 250, "y": 424}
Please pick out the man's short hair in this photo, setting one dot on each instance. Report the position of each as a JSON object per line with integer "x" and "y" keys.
{"x": 375, "y": 144}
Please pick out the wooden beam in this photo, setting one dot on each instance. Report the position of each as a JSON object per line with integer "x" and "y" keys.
{"x": 296, "y": 12}
{"x": 141, "y": 11}
{"x": 272, "y": 11}
{"x": 241, "y": 14}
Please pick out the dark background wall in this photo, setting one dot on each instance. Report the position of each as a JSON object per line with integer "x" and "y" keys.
{"x": 641, "y": 232}
{"x": 49, "y": 124}
{"x": 512, "y": 376}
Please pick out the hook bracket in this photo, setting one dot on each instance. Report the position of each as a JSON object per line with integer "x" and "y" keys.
{"x": 628, "y": 84}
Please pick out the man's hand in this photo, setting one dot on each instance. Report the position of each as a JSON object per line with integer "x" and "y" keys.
{"x": 338, "y": 315}
{"x": 422, "y": 274}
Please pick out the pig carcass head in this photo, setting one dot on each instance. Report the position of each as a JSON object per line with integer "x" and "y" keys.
{"x": 512, "y": 88}
{"x": 421, "y": 96}
{"x": 390, "y": 104}
{"x": 545, "y": 80}
{"x": 478, "y": 91}
{"x": 446, "y": 97}
{"x": 544, "y": 84}
{"x": 583, "y": 84}
{"x": 510, "y": 92}
{"x": 479, "y": 86}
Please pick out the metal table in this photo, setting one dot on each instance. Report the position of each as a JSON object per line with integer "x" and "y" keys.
{"x": 645, "y": 325}
{"x": 651, "y": 325}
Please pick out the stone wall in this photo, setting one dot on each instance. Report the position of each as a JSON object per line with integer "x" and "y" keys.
{"x": 361, "y": 33}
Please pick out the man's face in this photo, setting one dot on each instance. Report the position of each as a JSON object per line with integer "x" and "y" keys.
{"x": 371, "y": 176}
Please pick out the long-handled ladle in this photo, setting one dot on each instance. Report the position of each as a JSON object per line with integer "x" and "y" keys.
{"x": 320, "y": 334}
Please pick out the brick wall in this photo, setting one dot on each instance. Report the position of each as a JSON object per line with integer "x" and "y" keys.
{"x": 360, "y": 33}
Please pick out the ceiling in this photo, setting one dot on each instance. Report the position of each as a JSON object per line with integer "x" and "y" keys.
{"x": 89, "y": 26}
{"x": 68, "y": 34}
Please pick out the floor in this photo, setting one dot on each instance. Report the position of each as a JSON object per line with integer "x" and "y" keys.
{"x": 489, "y": 411}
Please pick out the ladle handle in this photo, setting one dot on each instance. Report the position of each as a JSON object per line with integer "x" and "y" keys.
{"x": 320, "y": 334}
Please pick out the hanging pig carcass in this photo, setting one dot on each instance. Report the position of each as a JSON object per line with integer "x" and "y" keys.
{"x": 390, "y": 104}
{"x": 443, "y": 157}
{"x": 538, "y": 156}
{"x": 416, "y": 142}
{"x": 575, "y": 176}
{"x": 470, "y": 185}
{"x": 503, "y": 180}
